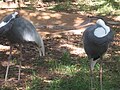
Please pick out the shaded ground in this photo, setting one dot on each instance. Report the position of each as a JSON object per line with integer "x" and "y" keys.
{"x": 61, "y": 32}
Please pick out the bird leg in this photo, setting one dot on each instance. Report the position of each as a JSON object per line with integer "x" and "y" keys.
{"x": 8, "y": 63}
{"x": 92, "y": 64}
{"x": 19, "y": 70}
{"x": 21, "y": 58}
{"x": 101, "y": 86}
{"x": 91, "y": 75}
{"x": 91, "y": 79}
{"x": 40, "y": 51}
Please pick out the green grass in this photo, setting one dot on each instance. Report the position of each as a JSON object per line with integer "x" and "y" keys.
{"x": 98, "y": 7}
{"x": 72, "y": 74}
{"x": 65, "y": 6}
{"x": 35, "y": 83}
{"x": 80, "y": 80}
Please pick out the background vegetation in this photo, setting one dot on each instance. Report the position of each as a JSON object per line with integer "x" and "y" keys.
{"x": 104, "y": 7}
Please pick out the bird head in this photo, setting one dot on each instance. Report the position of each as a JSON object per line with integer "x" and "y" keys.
{"x": 7, "y": 22}
{"x": 14, "y": 14}
{"x": 102, "y": 29}
{"x": 8, "y": 18}
{"x": 100, "y": 22}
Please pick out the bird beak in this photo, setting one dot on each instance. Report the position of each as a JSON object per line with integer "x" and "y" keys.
{"x": 14, "y": 14}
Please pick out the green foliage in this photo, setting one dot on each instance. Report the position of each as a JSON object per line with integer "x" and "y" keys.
{"x": 65, "y": 6}
{"x": 73, "y": 75}
{"x": 77, "y": 77}
{"x": 35, "y": 83}
{"x": 79, "y": 81}
{"x": 66, "y": 58}
{"x": 103, "y": 7}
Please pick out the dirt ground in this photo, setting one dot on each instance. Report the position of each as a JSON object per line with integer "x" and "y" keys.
{"x": 60, "y": 31}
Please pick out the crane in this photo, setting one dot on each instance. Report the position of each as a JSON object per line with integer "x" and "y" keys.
{"x": 19, "y": 30}
{"x": 96, "y": 40}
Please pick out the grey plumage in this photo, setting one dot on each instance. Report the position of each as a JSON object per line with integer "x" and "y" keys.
{"x": 94, "y": 46}
{"x": 96, "y": 40}
{"x": 6, "y": 25}
{"x": 18, "y": 30}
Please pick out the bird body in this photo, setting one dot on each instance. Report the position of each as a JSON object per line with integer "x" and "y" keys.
{"x": 96, "y": 46}
{"x": 23, "y": 31}
{"x": 96, "y": 40}
{"x": 18, "y": 30}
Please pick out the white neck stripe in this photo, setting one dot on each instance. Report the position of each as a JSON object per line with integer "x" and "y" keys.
{"x": 4, "y": 23}
{"x": 101, "y": 32}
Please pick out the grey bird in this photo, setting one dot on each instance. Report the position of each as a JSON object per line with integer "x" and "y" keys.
{"x": 19, "y": 30}
{"x": 96, "y": 40}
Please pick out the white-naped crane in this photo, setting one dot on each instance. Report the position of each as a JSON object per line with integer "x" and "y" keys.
{"x": 96, "y": 40}
{"x": 19, "y": 31}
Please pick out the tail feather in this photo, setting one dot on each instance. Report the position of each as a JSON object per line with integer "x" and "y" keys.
{"x": 42, "y": 48}
{"x": 40, "y": 44}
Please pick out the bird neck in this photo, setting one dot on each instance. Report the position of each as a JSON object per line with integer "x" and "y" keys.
{"x": 101, "y": 31}
{"x": 3, "y": 23}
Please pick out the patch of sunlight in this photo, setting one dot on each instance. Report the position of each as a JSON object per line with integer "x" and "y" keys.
{"x": 3, "y": 48}
{"x": 77, "y": 31}
{"x": 107, "y": 55}
{"x": 5, "y": 63}
{"x": 48, "y": 81}
{"x": 118, "y": 52}
{"x": 2, "y": 11}
{"x": 74, "y": 50}
{"x": 33, "y": 14}
{"x": 49, "y": 15}
{"x": 117, "y": 18}
{"x": 67, "y": 70}
{"x": 13, "y": 52}
{"x": 77, "y": 21}
{"x": 78, "y": 51}
{"x": 24, "y": 12}
{"x": 45, "y": 17}
{"x": 45, "y": 14}
{"x": 39, "y": 17}
{"x": 44, "y": 33}
{"x": 56, "y": 15}
{"x": 59, "y": 22}
{"x": 25, "y": 67}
